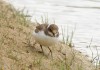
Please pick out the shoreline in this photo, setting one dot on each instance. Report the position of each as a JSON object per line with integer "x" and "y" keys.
{"x": 82, "y": 47}
{"x": 17, "y": 45}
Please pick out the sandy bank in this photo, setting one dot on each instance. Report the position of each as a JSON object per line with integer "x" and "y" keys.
{"x": 18, "y": 51}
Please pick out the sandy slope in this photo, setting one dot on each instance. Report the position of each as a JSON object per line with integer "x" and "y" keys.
{"x": 18, "y": 50}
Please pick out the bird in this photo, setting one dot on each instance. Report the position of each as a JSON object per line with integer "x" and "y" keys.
{"x": 46, "y": 35}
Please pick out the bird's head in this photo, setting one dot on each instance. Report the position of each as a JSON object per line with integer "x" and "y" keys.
{"x": 53, "y": 30}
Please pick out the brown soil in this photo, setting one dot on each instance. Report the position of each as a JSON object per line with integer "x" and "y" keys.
{"x": 18, "y": 50}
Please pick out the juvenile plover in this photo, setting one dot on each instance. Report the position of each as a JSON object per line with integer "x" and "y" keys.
{"x": 46, "y": 35}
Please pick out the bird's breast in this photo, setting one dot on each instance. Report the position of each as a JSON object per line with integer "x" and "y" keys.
{"x": 45, "y": 40}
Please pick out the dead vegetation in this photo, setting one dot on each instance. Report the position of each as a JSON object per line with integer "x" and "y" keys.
{"x": 18, "y": 51}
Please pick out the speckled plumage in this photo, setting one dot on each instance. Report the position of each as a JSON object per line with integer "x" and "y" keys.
{"x": 49, "y": 30}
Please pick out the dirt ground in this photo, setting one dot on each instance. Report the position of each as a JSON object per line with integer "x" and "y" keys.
{"x": 18, "y": 50}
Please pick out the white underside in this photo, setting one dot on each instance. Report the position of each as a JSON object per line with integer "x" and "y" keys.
{"x": 44, "y": 40}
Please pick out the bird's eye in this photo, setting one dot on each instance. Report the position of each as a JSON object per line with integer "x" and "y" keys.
{"x": 50, "y": 30}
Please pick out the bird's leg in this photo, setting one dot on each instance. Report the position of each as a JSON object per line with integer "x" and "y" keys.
{"x": 42, "y": 48}
{"x": 50, "y": 51}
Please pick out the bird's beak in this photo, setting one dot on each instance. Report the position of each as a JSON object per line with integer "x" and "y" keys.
{"x": 54, "y": 33}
